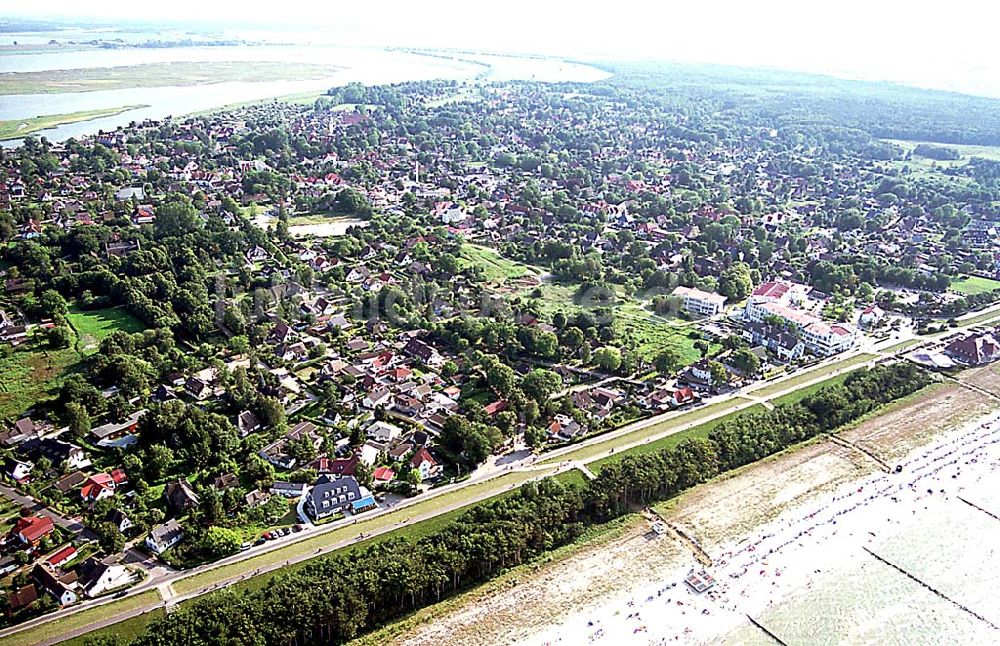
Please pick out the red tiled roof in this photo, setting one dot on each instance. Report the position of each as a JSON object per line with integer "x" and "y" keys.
{"x": 62, "y": 556}
{"x": 33, "y": 528}
{"x": 771, "y": 290}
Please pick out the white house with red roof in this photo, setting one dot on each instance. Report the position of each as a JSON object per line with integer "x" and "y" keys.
{"x": 424, "y": 463}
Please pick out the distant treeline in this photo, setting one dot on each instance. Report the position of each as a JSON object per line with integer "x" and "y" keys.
{"x": 337, "y": 598}
{"x": 941, "y": 153}
{"x": 824, "y": 105}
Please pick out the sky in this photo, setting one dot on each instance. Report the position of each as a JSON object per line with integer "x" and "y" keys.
{"x": 950, "y": 45}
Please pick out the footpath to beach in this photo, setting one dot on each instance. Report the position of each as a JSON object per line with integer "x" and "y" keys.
{"x": 775, "y": 531}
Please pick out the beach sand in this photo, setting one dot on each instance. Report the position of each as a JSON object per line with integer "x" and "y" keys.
{"x": 775, "y": 529}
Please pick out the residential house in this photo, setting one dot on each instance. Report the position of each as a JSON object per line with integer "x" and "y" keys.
{"x": 70, "y": 481}
{"x": 22, "y": 430}
{"x": 383, "y": 432}
{"x": 21, "y": 598}
{"x": 564, "y": 427}
{"x": 102, "y": 485}
{"x": 118, "y": 434}
{"x": 57, "y": 452}
{"x": 247, "y": 423}
{"x": 61, "y": 556}
{"x": 198, "y": 389}
{"x": 781, "y": 341}
{"x": 277, "y": 452}
{"x": 163, "y": 537}
{"x": 18, "y": 470}
{"x": 29, "y": 530}
{"x": 871, "y": 317}
{"x": 46, "y": 580}
{"x": 256, "y": 498}
{"x": 180, "y": 496}
{"x": 974, "y": 349}
{"x": 288, "y": 489}
{"x": 118, "y": 518}
{"x": 425, "y": 464}
{"x": 98, "y": 577}
{"x": 336, "y": 466}
{"x": 383, "y": 475}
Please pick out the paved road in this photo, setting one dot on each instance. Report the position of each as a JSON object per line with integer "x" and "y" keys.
{"x": 496, "y": 467}
{"x": 69, "y": 524}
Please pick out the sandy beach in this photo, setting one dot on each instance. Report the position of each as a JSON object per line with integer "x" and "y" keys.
{"x": 776, "y": 531}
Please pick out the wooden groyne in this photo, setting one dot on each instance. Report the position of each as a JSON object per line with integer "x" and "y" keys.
{"x": 766, "y": 631}
{"x": 934, "y": 590}
{"x": 700, "y": 554}
{"x": 975, "y": 506}
{"x": 836, "y": 439}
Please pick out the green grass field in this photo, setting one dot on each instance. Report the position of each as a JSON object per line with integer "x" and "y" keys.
{"x": 94, "y": 325}
{"x": 809, "y": 375}
{"x": 495, "y": 268}
{"x": 80, "y": 620}
{"x": 974, "y": 285}
{"x": 802, "y": 393}
{"x": 123, "y": 630}
{"x": 17, "y": 128}
{"x": 670, "y": 441}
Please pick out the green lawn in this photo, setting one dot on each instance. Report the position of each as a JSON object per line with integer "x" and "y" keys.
{"x": 17, "y": 128}
{"x": 670, "y": 441}
{"x": 970, "y": 285}
{"x": 123, "y": 630}
{"x": 801, "y": 393}
{"x": 74, "y": 623}
{"x": 809, "y": 375}
{"x": 571, "y": 477}
{"x": 495, "y": 268}
{"x": 904, "y": 345}
{"x": 93, "y": 326}
{"x": 979, "y": 319}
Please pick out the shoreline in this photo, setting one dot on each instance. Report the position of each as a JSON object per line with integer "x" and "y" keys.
{"x": 774, "y": 504}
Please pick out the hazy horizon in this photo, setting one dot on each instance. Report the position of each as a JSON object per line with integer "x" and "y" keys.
{"x": 922, "y": 46}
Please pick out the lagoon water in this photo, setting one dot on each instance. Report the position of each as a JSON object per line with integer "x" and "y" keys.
{"x": 366, "y": 65}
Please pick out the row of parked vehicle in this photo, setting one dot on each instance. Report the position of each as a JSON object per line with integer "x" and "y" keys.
{"x": 278, "y": 533}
